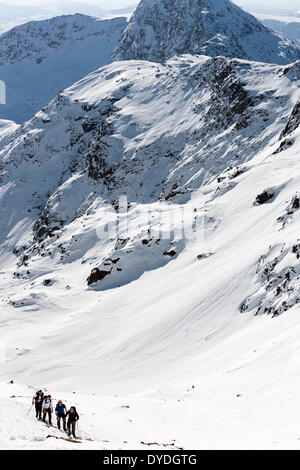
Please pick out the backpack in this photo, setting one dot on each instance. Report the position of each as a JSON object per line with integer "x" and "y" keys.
{"x": 39, "y": 398}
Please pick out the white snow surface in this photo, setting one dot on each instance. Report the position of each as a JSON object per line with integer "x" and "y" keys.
{"x": 196, "y": 350}
{"x": 40, "y": 58}
{"x": 7, "y": 127}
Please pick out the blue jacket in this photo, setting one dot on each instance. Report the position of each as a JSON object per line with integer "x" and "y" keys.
{"x": 61, "y": 410}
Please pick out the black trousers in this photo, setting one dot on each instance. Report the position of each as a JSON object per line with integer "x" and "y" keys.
{"x": 38, "y": 410}
{"x": 63, "y": 418}
{"x": 47, "y": 412}
{"x": 72, "y": 428}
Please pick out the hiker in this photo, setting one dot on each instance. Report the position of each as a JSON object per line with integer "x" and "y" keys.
{"x": 37, "y": 400}
{"x": 47, "y": 409}
{"x": 60, "y": 411}
{"x": 73, "y": 417}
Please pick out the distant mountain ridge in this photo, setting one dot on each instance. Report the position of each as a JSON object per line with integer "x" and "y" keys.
{"x": 35, "y": 39}
{"x": 14, "y": 15}
{"x": 289, "y": 29}
{"x": 41, "y": 58}
{"x": 160, "y": 29}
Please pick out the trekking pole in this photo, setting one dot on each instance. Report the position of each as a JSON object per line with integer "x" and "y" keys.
{"x": 30, "y": 409}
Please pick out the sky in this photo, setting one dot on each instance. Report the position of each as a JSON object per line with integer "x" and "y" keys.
{"x": 106, "y": 4}
{"x": 109, "y": 4}
{"x": 280, "y": 4}
{"x": 254, "y": 6}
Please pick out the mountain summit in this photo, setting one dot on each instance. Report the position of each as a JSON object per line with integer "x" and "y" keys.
{"x": 160, "y": 29}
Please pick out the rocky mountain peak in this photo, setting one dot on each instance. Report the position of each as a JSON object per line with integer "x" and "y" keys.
{"x": 160, "y": 29}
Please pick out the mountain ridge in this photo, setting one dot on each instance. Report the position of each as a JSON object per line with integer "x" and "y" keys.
{"x": 96, "y": 143}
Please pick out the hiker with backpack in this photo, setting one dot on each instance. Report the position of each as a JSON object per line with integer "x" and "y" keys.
{"x": 60, "y": 411}
{"x": 37, "y": 400}
{"x": 73, "y": 417}
{"x": 47, "y": 409}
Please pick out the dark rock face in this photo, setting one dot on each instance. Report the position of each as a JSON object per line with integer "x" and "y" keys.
{"x": 227, "y": 88}
{"x": 97, "y": 276}
{"x": 296, "y": 203}
{"x": 170, "y": 253}
{"x": 264, "y": 197}
{"x": 46, "y": 225}
{"x": 160, "y": 29}
{"x": 293, "y": 122}
{"x": 290, "y": 212}
{"x": 203, "y": 256}
{"x": 285, "y": 144}
{"x": 278, "y": 276}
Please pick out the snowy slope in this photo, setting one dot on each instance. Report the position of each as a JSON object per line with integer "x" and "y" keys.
{"x": 40, "y": 58}
{"x": 6, "y": 127}
{"x": 160, "y": 29}
{"x": 198, "y": 337}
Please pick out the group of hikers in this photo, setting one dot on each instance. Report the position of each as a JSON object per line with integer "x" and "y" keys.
{"x": 44, "y": 408}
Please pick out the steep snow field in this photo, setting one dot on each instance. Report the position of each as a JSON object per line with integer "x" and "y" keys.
{"x": 150, "y": 342}
{"x": 41, "y": 58}
{"x": 6, "y": 127}
{"x": 201, "y": 339}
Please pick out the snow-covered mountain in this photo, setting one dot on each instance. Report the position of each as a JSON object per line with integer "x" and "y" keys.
{"x": 160, "y": 29}
{"x": 104, "y": 135}
{"x": 184, "y": 324}
{"x": 41, "y": 58}
{"x": 289, "y": 28}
